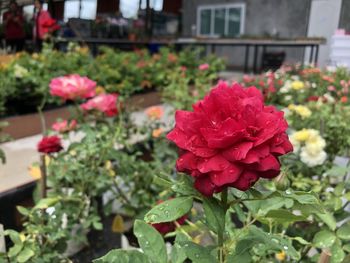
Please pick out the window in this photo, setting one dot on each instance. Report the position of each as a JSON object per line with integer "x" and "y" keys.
{"x": 220, "y": 20}
{"x": 72, "y": 9}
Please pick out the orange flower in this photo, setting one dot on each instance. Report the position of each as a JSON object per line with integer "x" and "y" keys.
{"x": 344, "y": 99}
{"x": 157, "y": 132}
{"x": 154, "y": 112}
{"x": 328, "y": 78}
{"x": 172, "y": 58}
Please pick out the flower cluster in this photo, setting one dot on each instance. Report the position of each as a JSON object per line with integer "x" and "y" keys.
{"x": 303, "y": 111}
{"x": 310, "y": 145}
{"x": 231, "y": 139}
{"x": 64, "y": 126}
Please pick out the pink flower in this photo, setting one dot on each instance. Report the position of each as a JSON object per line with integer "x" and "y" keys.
{"x": 331, "y": 88}
{"x": 62, "y": 126}
{"x": 106, "y": 103}
{"x": 203, "y": 66}
{"x": 230, "y": 139}
{"x": 72, "y": 87}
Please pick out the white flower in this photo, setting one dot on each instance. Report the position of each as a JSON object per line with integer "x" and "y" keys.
{"x": 329, "y": 98}
{"x": 288, "y": 97}
{"x": 286, "y": 87}
{"x": 312, "y": 160}
{"x": 20, "y": 71}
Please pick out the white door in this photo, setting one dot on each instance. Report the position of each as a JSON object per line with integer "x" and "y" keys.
{"x": 324, "y": 20}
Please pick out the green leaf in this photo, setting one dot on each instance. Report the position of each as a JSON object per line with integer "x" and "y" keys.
{"x": 25, "y": 255}
{"x": 324, "y": 239}
{"x": 214, "y": 214}
{"x": 338, "y": 190}
{"x": 197, "y": 253}
{"x": 338, "y": 171}
{"x": 162, "y": 182}
{"x": 346, "y": 248}
{"x": 14, "y": 236}
{"x": 284, "y": 216}
{"x": 123, "y": 256}
{"x": 150, "y": 241}
{"x": 185, "y": 187}
{"x": 169, "y": 210}
{"x": 301, "y": 240}
{"x": 46, "y": 202}
{"x": 328, "y": 219}
{"x": 344, "y": 232}
{"x": 24, "y": 211}
{"x": 337, "y": 254}
{"x": 178, "y": 254}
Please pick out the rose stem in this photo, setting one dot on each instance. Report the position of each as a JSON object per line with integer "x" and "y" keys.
{"x": 221, "y": 254}
{"x": 43, "y": 175}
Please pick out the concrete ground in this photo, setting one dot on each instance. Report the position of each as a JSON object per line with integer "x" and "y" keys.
{"x": 20, "y": 154}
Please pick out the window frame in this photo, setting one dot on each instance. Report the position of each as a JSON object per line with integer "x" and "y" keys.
{"x": 212, "y": 8}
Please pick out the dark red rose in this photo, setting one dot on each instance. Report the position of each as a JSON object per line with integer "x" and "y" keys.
{"x": 167, "y": 227}
{"x": 50, "y": 144}
{"x": 231, "y": 139}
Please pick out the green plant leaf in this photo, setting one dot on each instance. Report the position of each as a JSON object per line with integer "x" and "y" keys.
{"x": 346, "y": 248}
{"x": 46, "y": 202}
{"x": 25, "y": 255}
{"x": 284, "y": 216}
{"x": 185, "y": 187}
{"x": 328, "y": 219}
{"x": 337, "y": 254}
{"x": 24, "y": 211}
{"x": 169, "y": 210}
{"x": 344, "y": 232}
{"x": 214, "y": 214}
{"x": 178, "y": 254}
{"x": 197, "y": 253}
{"x": 324, "y": 239}
{"x": 123, "y": 256}
{"x": 301, "y": 240}
{"x": 150, "y": 241}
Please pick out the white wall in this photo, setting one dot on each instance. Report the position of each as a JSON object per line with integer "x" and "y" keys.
{"x": 324, "y": 20}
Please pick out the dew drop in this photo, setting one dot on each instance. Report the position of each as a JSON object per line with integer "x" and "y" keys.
{"x": 285, "y": 248}
{"x": 197, "y": 256}
{"x": 147, "y": 243}
{"x": 186, "y": 245}
{"x": 166, "y": 213}
{"x": 288, "y": 192}
{"x": 275, "y": 240}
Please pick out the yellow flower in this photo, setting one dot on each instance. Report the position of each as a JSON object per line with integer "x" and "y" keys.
{"x": 298, "y": 85}
{"x": 100, "y": 90}
{"x": 303, "y": 111}
{"x": 109, "y": 168}
{"x": 281, "y": 256}
{"x": 22, "y": 237}
{"x": 118, "y": 224}
{"x": 301, "y": 136}
{"x": 35, "y": 172}
{"x": 157, "y": 132}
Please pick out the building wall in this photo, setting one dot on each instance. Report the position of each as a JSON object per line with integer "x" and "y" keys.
{"x": 263, "y": 17}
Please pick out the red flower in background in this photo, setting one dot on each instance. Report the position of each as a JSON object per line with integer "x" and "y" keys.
{"x": 167, "y": 227}
{"x": 105, "y": 103}
{"x": 231, "y": 139}
{"x": 51, "y": 25}
{"x": 64, "y": 126}
{"x": 50, "y": 144}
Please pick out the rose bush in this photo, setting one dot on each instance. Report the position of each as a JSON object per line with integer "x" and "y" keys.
{"x": 231, "y": 139}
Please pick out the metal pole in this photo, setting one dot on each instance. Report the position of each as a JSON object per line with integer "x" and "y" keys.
{"x": 80, "y": 7}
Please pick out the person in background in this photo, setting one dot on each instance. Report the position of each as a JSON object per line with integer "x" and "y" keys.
{"x": 40, "y": 30}
{"x": 14, "y": 27}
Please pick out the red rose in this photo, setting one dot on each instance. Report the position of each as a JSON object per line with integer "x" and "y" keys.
{"x": 50, "y": 144}
{"x": 231, "y": 139}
